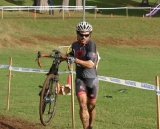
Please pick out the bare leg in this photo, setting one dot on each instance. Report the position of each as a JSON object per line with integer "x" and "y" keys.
{"x": 83, "y": 112}
{"x": 92, "y": 112}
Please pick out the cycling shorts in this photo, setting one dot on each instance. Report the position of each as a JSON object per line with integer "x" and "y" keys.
{"x": 88, "y": 86}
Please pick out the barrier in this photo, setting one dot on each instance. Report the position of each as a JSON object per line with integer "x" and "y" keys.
{"x": 42, "y": 8}
{"x": 22, "y": 69}
{"x": 101, "y": 78}
{"x": 63, "y": 8}
{"x": 131, "y": 83}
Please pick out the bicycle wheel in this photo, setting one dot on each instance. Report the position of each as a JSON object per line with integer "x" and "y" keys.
{"x": 48, "y": 99}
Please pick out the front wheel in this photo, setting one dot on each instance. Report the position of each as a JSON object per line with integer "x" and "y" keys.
{"x": 48, "y": 99}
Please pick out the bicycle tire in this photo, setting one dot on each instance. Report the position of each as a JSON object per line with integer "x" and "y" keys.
{"x": 48, "y": 99}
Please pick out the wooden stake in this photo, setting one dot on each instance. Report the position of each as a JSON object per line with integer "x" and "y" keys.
{"x": 72, "y": 97}
{"x": 35, "y": 14}
{"x": 158, "y": 104}
{"x": 95, "y": 12}
{"x": 28, "y": 11}
{"x": 2, "y": 14}
{"x": 63, "y": 14}
{"x": 9, "y": 83}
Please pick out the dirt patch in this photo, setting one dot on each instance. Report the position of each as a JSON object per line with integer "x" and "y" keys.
{"x": 28, "y": 41}
{"x": 3, "y": 44}
{"x": 66, "y": 40}
{"x": 127, "y": 42}
{"x": 16, "y": 123}
{"x": 105, "y": 41}
{"x": 40, "y": 40}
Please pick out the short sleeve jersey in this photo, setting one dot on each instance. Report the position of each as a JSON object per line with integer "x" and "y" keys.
{"x": 86, "y": 52}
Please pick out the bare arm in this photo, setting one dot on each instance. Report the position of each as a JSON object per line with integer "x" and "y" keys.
{"x": 88, "y": 64}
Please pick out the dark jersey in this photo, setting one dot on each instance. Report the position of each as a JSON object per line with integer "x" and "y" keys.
{"x": 86, "y": 52}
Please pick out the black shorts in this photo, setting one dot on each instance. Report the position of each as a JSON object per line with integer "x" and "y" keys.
{"x": 87, "y": 86}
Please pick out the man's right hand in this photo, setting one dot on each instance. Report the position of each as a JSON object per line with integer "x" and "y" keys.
{"x": 71, "y": 60}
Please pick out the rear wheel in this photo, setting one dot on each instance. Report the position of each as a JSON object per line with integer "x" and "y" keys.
{"x": 48, "y": 99}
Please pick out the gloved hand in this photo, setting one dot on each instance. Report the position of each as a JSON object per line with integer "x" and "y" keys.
{"x": 71, "y": 59}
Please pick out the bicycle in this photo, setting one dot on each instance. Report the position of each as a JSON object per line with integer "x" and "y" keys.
{"x": 50, "y": 88}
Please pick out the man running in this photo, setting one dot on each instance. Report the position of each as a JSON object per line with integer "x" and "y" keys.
{"x": 84, "y": 55}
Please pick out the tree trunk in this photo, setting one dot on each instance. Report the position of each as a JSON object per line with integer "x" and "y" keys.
{"x": 35, "y": 3}
{"x": 43, "y": 3}
{"x": 145, "y": 2}
{"x": 65, "y": 3}
{"x": 78, "y": 3}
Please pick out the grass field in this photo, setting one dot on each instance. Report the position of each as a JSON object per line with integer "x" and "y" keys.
{"x": 129, "y": 49}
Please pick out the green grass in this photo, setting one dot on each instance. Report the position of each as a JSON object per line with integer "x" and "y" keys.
{"x": 133, "y": 109}
{"x": 131, "y": 28}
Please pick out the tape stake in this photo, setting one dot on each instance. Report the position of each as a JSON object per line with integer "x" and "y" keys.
{"x": 9, "y": 83}
{"x": 157, "y": 102}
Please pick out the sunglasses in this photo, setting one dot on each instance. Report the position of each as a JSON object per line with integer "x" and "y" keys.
{"x": 86, "y": 35}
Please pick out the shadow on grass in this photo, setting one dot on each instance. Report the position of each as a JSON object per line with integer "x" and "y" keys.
{"x": 16, "y": 2}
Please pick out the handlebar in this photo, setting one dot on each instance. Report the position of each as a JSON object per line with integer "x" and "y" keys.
{"x": 56, "y": 55}
{"x": 39, "y": 55}
{"x": 39, "y": 61}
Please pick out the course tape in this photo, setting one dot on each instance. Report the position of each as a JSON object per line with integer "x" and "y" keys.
{"x": 21, "y": 69}
{"x": 4, "y": 66}
{"x": 102, "y": 78}
{"x": 128, "y": 83}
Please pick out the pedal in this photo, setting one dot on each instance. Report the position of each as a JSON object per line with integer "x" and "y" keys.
{"x": 40, "y": 86}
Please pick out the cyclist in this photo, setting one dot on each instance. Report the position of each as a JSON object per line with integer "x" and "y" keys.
{"x": 84, "y": 55}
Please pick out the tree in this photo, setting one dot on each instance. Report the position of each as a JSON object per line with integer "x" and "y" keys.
{"x": 43, "y": 3}
{"x": 78, "y": 3}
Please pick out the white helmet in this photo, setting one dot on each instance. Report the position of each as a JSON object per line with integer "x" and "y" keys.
{"x": 84, "y": 26}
